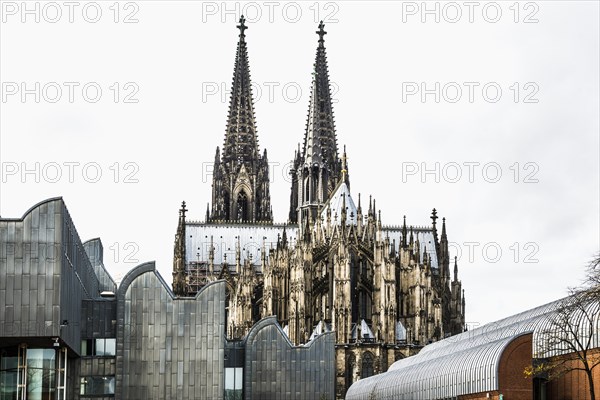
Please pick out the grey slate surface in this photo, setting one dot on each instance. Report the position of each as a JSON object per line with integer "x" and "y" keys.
{"x": 274, "y": 369}
{"x": 167, "y": 347}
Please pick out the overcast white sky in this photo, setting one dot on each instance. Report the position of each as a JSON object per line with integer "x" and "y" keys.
{"x": 541, "y": 132}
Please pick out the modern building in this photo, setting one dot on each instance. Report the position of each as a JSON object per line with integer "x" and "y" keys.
{"x": 68, "y": 332}
{"x": 384, "y": 290}
{"x": 490, "y": 362}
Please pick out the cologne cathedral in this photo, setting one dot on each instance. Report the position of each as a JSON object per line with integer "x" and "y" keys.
{"x": 386, "y": 291}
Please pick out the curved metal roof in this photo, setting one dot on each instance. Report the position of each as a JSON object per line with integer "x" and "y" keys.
{"x": 560, "y": 333}
{"x": 461, "y": 364}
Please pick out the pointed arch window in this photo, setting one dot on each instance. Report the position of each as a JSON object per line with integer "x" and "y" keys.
{"x": 350, "y": 368}
{"x": 242, "y": 207}
{"x": 226, "y": 205}
{"x": 306, "y": 189}
{"x": 367, "y": 366}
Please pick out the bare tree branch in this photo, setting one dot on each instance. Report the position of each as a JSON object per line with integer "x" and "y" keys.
{"x": 566, "y": 343}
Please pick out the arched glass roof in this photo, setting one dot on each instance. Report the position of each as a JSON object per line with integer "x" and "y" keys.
{"x": 461, "y": 364}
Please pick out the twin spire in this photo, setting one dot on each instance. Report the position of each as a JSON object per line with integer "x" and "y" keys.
{"x": 241, "y": 142}
{"x": 241, "y": 173}
{"x": 320, "y": 142}
{"x": 317, "y": 164}
{"x": 240, "y": 190}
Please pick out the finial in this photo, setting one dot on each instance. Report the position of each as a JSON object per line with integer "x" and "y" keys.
{"x": 444, "y": 228}
{"x": 434, "y": 216}
{"x": 242, "y": 26}
{"x": 321, "y": 32}
{"x": 183, "y": 210}
{"x": 344, "y": 164}
{"x": 455, "y": 269}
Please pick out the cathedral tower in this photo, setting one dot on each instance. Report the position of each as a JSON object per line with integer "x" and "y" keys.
{"x": 240, "y": 189}
{"x": 317, "y": 167}
{"x": 386, "y": 290}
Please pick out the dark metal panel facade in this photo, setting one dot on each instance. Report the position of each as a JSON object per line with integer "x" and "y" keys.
{"x": 98, "y": 319}
{"x": 169, "y": 347}
{"x": 95, "y": 252}
{"x": 274, "y": 369}
{"x": 78, "y": 281}
{"x": 30, "y": 260}
{"x": 45, "y": 275}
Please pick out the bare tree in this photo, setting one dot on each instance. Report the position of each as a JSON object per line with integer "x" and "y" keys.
{"x": 569, "y": 340}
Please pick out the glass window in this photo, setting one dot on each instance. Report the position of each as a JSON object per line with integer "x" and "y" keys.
{"x": 99, "y": 347}
{"x": 367, "y": 366}
{"x": 87, "y": 347}
{"x": 233, "y": 383}
{"x": 97, "y": 385}
{"x": 9, "y": 362}
{"x": 41, "y": 374}
{"x": 110, "y": 347}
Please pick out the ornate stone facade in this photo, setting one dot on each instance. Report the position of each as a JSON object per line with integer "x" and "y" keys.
{"x": 385, "y": 291}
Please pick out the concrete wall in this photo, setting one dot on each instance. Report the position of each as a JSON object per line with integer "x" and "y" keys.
{"x": 167, "y": 347}
{"x": 274, "y": 369}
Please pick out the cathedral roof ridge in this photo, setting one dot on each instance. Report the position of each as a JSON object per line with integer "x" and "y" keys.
{"x": 236, "y": 224}
{"x": 416, "y": 228}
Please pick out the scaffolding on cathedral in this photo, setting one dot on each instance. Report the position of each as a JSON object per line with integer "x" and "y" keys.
{"x": 197, "y": 276}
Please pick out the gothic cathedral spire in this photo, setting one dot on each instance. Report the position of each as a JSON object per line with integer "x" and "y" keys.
{"x": 241, "y": 174}
{"x": 317, "y": 169}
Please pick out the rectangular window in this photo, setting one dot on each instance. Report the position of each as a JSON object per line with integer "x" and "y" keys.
{"x": 99, "y": 347}
{"x": 233, "y": 383}
{"x": 87, "y": 347}
{"x": 97, "y": 385}
{"x": 99, "y": 350}
{"x": 110, "y": 347}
